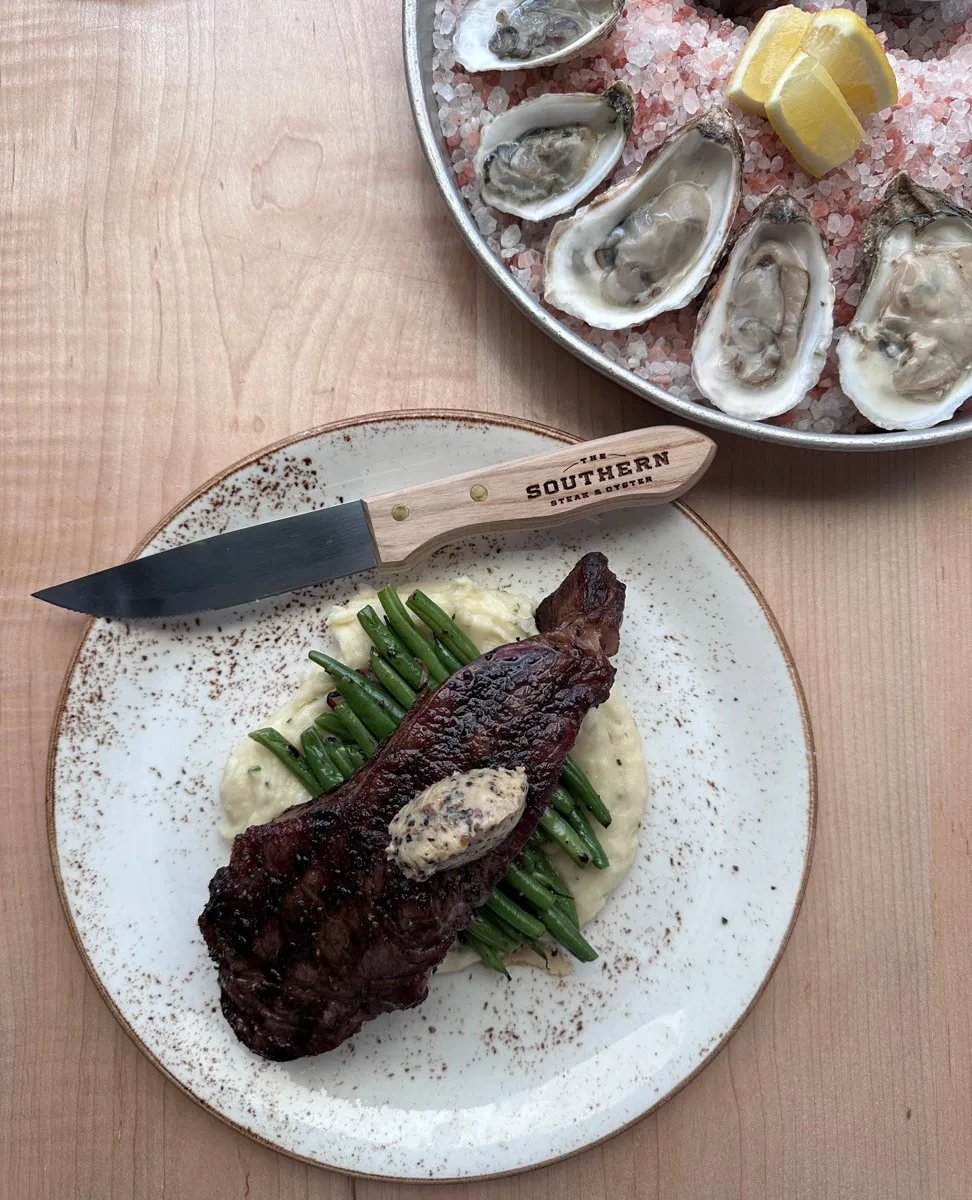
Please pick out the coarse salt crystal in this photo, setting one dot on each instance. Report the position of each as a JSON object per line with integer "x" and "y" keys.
{"x": 485, "y": 220}
{"x": 498, "y": 101}
{"x": 690, "y": 102}
{"x": 510, "y": 236}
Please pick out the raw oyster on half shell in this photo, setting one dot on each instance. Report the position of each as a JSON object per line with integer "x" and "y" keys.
{"x": 648, "y": 245}
{"x": 906, "y": 358}
{"x": 542, "y": 157}
{"x": 502, "y": 35}
{"x": 764, "y": 331}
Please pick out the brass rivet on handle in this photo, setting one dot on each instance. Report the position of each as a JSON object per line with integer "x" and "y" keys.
{"x": 399, "y": 513}
{"x": 478, "y": 491}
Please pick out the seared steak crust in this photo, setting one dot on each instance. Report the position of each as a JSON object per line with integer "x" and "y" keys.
{"x": 313, "y": 930}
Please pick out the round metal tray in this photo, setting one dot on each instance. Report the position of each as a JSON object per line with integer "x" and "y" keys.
{"x": 418, "y": 18}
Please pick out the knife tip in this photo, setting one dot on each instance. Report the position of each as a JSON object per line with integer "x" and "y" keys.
{"x": 55, "y": 595}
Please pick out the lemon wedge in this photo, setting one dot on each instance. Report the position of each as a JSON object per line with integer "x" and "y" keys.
{"x": 771, "y": 46}
{"x": 808, "y": 110}
{"x": 855, "y": 59}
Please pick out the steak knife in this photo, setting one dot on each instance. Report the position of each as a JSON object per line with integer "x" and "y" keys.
{"x": 393, "y": 530}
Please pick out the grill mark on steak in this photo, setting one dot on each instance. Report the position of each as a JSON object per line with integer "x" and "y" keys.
{"x": 313, "y": 930}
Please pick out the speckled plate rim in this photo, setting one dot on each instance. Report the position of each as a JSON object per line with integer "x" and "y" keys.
{"x": 416, "y": 17}
{"x": 488, "y": 419}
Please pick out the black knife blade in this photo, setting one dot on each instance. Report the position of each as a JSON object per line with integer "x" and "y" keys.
{"x": 228, "y": 569}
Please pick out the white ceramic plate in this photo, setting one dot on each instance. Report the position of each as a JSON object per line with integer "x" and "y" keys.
{"x": 486, "y": 1077}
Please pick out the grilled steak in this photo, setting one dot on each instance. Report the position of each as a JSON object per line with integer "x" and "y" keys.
{"x": 313, "y": 930}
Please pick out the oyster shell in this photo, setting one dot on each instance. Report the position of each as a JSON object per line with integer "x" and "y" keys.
{"x": 541, "y": 158}
{"x": 764, "y": 331}
{"x": 906, "y": 358}
{"x": 647, "y": 245}
{"x": 506, "y": 35}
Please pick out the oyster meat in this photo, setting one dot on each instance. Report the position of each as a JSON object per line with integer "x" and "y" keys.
{"x": 648, "y": 245}
{"x": 537, "y": 27}
{"x": 764, "y": 331}
{"x": 542, "y": 157}
{"x": 906, "y": 358}
{"x": 497, "y": 35}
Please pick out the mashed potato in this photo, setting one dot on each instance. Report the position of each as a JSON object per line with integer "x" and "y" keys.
{"x": 256, "y": 786}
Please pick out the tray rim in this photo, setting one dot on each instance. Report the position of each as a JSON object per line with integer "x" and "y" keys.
{"x": 419, "y": 83}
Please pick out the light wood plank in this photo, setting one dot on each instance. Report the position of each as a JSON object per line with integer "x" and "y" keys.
{"x": 217, "y": 229}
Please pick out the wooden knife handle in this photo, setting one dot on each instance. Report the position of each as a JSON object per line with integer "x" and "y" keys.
{"x": 645, "y": 466}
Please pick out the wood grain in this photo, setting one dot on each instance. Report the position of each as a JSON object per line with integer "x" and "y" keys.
{"x": 217, "y": 229}
{"x": 643, "y": 466}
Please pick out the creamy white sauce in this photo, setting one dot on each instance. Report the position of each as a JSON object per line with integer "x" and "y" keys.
{"x": 256, "y": 787}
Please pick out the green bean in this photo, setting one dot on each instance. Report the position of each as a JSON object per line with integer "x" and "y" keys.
{"x": 514, "y": 915}
{"x": 528, "y": 856}
{"x": 319, "y": 761}
{"x": 581, "y": 787}
{"x": 401, "y": 622}
{"x": 357, "y": 758}
{"x": 391, "y": 647}
{"x": 486, "y": 953}
{"x": 489, "y": 932}
{"x": 277, "y": 744}
{"x": 504, "y": 927}
{"x": 376, "y": 720}
{"x": 562, "y": 801}
{"x": 391, "y": 681}
{"x": 513, "y": 938}
{"x": 569, "y": 909}
{"x": 577, "y": 820}
{"x": 561, "y": 833}
{"x": 342, "y": 674}
{"x": 446, "y": 657}
{"x": 426, "y": 677}
{"x": 528, "y": 886}
{"x": 518, "y": 938}
{"x": 568, "y": 934}
{"x": 332, "y": 724}
{"x": 533, "y": 942}
{"x": 355, "y": 727}
{"x": 536, "y": 946}
{"x": 543, "y": 869}
{"x": 342, "y": 759}
{"x": 550, "y": 875}
{"x": 443, "y": 626}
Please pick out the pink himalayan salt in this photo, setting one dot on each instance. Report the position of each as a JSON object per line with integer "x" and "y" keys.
{"x": 679, "y": 64}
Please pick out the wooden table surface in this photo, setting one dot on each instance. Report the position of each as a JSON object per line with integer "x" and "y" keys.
{"x": 216, "y": 230}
